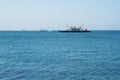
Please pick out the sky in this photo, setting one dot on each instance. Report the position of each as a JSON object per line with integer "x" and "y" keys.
{"x": 55, "y": 14}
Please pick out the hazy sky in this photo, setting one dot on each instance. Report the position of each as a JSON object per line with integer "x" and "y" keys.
{"x": 55, "y": 14}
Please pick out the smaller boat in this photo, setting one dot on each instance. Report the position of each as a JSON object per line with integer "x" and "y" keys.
{"x": 75, "y": 29}
{"x": 43, "y": 30}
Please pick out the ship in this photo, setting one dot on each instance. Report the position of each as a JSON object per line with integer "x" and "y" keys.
{"x": 75, "y": 29}
{"x": 43, "y": 30}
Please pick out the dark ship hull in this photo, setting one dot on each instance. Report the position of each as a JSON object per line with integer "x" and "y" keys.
{"x": 72, "y": 31}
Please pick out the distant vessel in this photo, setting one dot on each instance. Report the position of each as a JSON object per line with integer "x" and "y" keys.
{"x": 43, "y": 30}
{"x": 75, "y": 29}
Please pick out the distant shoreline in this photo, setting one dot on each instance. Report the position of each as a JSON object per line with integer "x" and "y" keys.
{"x": 43, "y": 31}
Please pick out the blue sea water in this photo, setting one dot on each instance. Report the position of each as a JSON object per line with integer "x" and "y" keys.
{"x": 60, "y": 56}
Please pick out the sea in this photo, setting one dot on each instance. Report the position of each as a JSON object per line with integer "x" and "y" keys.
{"x": 35, "y": 55}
